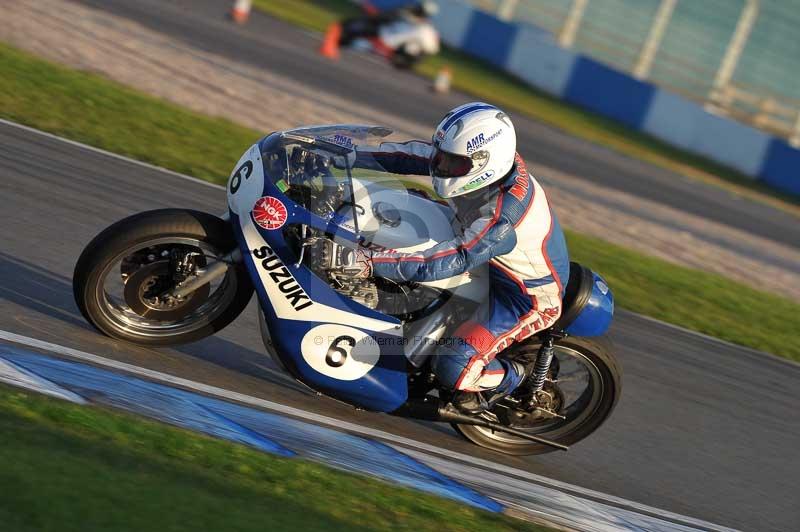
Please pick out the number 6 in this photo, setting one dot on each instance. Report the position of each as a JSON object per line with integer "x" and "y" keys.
{"x": 337, "y": 356}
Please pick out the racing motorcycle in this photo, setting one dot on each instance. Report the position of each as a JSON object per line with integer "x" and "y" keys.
{"x": 300, "y": 202}
{"x": 403, "y": 36}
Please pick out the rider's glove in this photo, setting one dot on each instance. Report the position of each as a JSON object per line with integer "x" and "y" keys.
{"x": 359, "y": 264}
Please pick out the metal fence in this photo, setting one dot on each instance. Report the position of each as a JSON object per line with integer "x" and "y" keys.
{"x": 740, "y": 57}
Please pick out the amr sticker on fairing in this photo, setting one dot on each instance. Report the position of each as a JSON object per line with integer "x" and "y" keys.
{"x": 342, "y": 140}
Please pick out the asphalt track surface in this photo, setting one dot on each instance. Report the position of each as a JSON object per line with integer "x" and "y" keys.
{"x": 281, "y": 48}
{"x": 703, "y": 429}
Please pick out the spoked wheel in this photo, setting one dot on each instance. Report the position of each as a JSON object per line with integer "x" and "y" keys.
{"x": 582, "y": 389}
{"x": 124, "y": 277}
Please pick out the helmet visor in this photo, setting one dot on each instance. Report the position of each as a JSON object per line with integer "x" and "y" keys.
{"x": 446, "y": 164}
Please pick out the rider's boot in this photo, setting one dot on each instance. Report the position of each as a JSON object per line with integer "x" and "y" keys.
{"x": 477, "y": 402}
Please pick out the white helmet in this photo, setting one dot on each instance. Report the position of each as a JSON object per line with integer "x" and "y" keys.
{"x": 474, "y": 146}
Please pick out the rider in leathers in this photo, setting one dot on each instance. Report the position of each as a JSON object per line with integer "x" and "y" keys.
{"x": 506, "y": 222}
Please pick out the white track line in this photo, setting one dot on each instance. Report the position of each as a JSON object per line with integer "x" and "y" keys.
{"x": 354, "y": 428}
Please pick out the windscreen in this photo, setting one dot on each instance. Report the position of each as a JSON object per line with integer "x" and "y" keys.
{"x": 322, "y": 169}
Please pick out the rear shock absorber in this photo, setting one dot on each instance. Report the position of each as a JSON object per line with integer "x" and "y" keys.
{"x": 542, "y": 366}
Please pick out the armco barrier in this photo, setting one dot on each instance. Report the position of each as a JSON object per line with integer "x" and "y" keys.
{"x": 532, "y": 54}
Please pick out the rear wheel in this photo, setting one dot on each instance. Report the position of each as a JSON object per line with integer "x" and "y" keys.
{"x": 123, "y": 278}
{"x": 582, "y": 390}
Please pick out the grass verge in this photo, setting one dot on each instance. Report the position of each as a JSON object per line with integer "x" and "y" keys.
{"x": 102, "y": 113}
{"x": 492, "y": 84}
{"x": 68, "y": 467}
{"x": 704, "y": 302}
{"x": 111, "y": 116}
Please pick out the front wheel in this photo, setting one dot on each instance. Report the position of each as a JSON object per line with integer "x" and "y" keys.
{"x": 123, "y": 278}
{"x": 582, "y": 389}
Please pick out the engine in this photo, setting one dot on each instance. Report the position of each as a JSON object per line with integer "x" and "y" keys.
{"x": 403, "y": 300}
{"x": 317, "y": 190}
{"x": 325, "y": 258}
{"x": 364, "y": 291}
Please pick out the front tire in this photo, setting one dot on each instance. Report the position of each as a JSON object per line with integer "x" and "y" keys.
{"x": 118, "y": 267}
{"x": 605, "y": 376}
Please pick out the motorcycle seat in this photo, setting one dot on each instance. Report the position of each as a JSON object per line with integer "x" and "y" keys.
{"x": 576, "y": 295}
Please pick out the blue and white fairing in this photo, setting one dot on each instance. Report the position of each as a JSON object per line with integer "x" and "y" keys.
{"x": 326, "y": 340}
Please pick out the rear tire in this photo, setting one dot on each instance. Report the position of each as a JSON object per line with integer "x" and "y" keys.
{"x": 598, "y": 353}
{"x": 208, "y": 233}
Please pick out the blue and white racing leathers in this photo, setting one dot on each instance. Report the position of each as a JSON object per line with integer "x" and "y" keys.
{"x": 509, "y": 225}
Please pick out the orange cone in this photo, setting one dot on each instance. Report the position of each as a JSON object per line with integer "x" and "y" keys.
{"x": 241, "y": 11}
{"x": 330, "y": 43}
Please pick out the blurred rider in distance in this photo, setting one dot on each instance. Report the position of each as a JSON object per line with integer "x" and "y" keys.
{"x": 368, "y": 26}
{"x": 506, "y": 222}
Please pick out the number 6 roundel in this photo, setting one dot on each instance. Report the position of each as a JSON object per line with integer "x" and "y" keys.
{"x": 339, "y": 351}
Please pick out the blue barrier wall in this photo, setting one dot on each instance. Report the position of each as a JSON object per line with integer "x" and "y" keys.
{"x": 608, "y": 92}
{"x": 488, "y": 38}
{"x": 781, "y": 167}
{"x": 532, "y": 55}
{"x": 686, "y": 125}
{"x": 540, "y": 62}
{"x": 453, "y": 21}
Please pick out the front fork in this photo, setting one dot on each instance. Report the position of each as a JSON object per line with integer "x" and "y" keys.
{"x": 210, "y": 274}
{"x": 203, "y": 277}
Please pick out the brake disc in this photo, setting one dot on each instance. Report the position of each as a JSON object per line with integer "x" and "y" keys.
{"x": 145, "y": 289}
